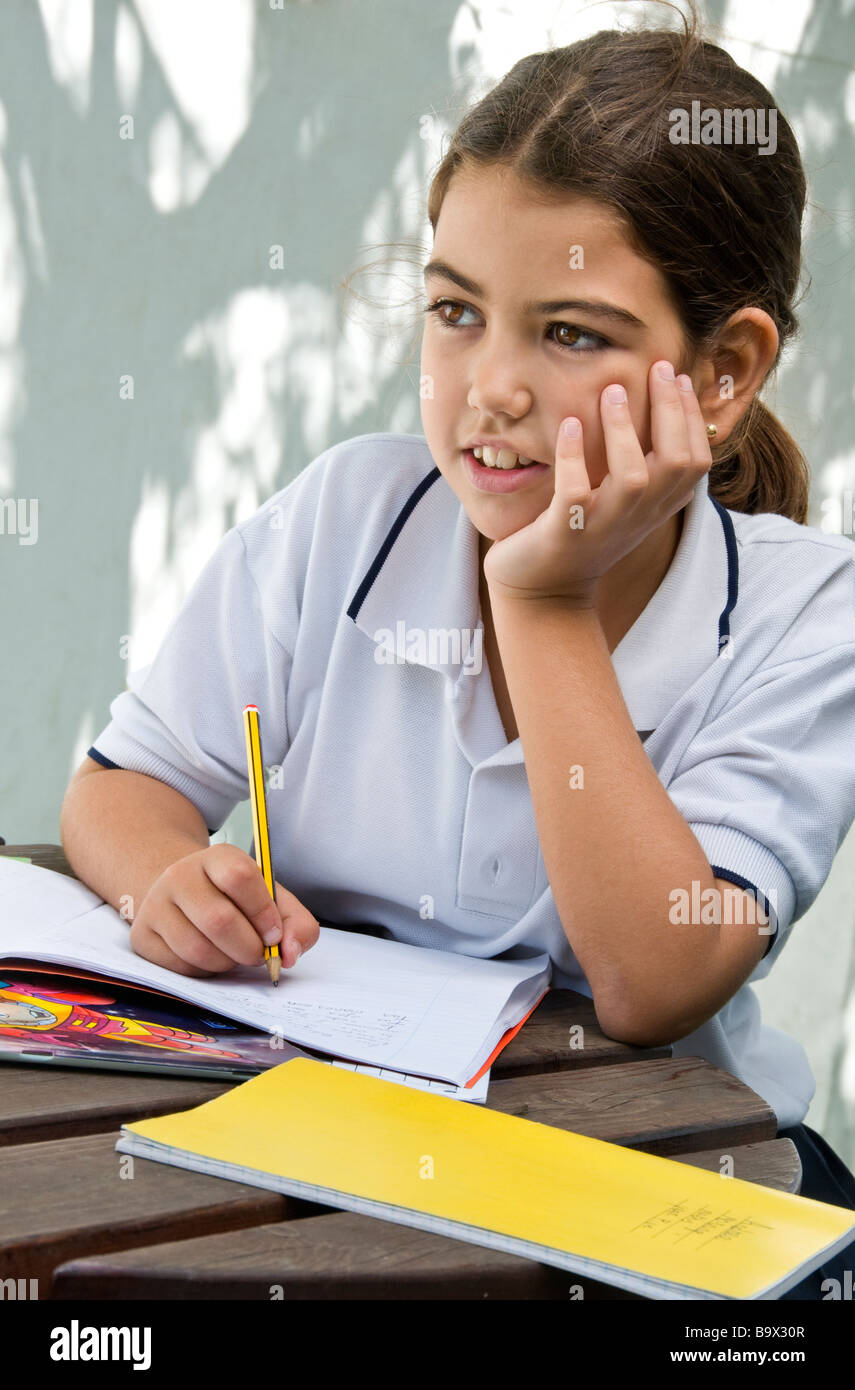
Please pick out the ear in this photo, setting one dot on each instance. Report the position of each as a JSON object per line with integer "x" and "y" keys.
{"x": 737, "y": 365}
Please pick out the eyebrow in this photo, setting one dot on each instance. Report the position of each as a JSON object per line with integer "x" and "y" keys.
{"x": 547, "y": 306}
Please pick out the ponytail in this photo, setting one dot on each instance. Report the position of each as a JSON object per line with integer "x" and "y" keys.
{"x": 762, "y": 468}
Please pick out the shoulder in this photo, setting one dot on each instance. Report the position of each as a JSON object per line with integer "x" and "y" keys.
{"x": 324, "y": 527}
{"x": 384, "y": 461}
{"x": 796, "y": 585}
{"x": 357, "y": 479}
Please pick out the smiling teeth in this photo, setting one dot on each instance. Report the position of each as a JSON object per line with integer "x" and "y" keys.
{"x": 500, "y": 458}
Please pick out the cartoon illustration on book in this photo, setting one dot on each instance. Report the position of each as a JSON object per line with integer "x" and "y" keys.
{"x": 72, "y": 1016}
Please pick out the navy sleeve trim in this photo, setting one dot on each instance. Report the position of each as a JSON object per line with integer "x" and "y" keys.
{"x": 719, "y": 872}
{"x": 99, "y": 758}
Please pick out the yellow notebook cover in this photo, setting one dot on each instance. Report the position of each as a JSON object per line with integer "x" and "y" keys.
{"x": 648, "y": 1224}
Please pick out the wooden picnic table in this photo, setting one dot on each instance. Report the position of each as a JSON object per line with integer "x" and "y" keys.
{"x": 75, "y": 1220}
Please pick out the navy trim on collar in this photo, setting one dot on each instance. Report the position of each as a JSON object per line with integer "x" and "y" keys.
{"x": 378, "y": 561}
{"x": 732, "y": 573}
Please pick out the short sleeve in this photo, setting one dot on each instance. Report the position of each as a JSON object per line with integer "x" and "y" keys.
{"x": 181, "y": 718}
{"x": 768, "y": 785}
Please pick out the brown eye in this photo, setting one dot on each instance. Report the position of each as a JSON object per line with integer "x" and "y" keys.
{"x": 574, "y": 334}
{"x": 439, "y": 309}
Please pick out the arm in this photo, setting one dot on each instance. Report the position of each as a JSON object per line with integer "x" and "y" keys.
{"x": 121, "y": 829}
{"x": 616, "y": 849}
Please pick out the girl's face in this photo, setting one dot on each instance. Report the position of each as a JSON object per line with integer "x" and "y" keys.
{"x": 496, "y": 364}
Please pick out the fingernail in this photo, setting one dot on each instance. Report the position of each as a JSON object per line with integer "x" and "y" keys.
{"x": 270, "y": 935}
{"x": 615, "y": 394}
{"x": 665, "y": 370}
{"x": 294, "y": 949}
{"x": 684, "y": 382}
{"x": 571, "y": 427}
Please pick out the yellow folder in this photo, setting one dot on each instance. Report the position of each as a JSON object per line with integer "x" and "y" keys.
{"x": 644, "y": 1223}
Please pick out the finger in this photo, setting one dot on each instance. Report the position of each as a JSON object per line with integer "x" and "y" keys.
{"x": 215, "y": 914}
{"x": 187, "y": 951}
{"x": 572, "y": 483}
{"x": 699, "y": 444}
{"x": 669, "y": 427}
{"x": 240, "y": 879}
{"x": 628, "y": 477}
{"x": 300, "y": 929}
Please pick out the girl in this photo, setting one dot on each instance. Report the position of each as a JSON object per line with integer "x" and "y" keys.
{"x": 651, "y": 775}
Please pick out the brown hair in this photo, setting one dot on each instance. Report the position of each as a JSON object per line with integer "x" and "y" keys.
{"x": 721, "y": 222}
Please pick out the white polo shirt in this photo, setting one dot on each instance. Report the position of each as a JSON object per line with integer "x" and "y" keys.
{"x": 398, "y": 800}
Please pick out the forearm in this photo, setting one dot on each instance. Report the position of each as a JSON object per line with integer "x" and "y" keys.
{"x": 615, "y": 846}
{"x": 121, "y": 829}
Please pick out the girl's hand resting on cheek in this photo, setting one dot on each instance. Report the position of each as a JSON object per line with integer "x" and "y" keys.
{"x": 566, "y": 550}
{"x": 211, "y": 911}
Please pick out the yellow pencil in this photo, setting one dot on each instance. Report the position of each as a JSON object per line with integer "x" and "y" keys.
{"x": 261, "y": 836}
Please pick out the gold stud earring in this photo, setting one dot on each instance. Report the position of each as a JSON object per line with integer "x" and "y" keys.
{"x": 711, "y": 431}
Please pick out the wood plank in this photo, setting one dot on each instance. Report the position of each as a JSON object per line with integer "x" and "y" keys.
{"x": 664, "y": 1106}
{"x": 772, "y": 1163}
{"x": 667, "y": 1106}
{"x": 66, "y": 1199}
{"x": 341, "y": 1256}
{"x": 43, "y": 856}
{"x": 346, "y": 1256}
{"x": 671, "y": 1105}
{"x": 39, "y": 1103}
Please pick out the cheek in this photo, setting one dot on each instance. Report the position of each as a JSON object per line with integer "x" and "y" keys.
{"x": 431, "y": 406}
{"x": 639, "y": 410}
{"x": 442, "y": 389}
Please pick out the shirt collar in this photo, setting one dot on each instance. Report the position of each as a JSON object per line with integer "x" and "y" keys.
{"x": 419, "y": 596}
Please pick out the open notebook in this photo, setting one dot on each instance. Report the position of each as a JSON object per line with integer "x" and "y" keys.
{"x": 647, "y": 1224}
{"x": 362, "y": 999}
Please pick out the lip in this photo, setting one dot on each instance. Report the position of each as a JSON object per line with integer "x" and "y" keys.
{"x": 500, "y": 479}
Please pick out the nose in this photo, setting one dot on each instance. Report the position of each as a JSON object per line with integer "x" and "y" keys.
{"x": 497, "y": 384}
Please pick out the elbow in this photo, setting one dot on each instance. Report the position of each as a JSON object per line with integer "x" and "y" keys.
{"x": 644, "y": 1027}
{"x": 625, "y": 1031}
{"x": 639, "y": 1013}
{"x": 636, "y": 1035}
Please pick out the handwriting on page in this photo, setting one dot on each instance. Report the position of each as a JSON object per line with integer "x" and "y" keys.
{"x": 700, "y": 1224}
{"x": 354, "y": 1024}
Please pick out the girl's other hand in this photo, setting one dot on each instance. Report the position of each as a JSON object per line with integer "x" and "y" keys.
{"x": 577, "y": 539}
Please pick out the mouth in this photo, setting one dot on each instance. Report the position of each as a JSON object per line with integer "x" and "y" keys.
{"x": 505, "y": 459}
{"x": 496, "y": 478}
